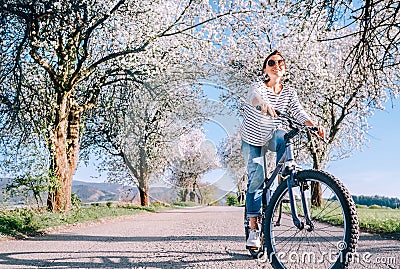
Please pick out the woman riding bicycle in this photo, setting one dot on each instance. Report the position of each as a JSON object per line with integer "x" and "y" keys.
{"x": 260, "y": 131}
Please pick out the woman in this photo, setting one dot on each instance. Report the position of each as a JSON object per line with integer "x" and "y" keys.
{"x": 260, "y": 131}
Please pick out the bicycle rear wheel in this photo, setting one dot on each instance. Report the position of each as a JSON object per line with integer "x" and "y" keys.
{"x": 333, "y": 235}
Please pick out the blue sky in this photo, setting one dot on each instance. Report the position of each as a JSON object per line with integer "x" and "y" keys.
{"x": 376, "y": 169}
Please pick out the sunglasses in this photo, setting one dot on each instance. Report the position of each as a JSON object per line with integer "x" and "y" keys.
{"x": 272, "y": 62}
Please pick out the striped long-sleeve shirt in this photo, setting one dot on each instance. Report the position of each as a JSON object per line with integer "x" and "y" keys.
{"x": 256, "y": 128}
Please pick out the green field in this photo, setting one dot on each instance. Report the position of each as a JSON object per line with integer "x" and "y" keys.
{"x": 378, "y": 219}
{"x": 374, "y": 219}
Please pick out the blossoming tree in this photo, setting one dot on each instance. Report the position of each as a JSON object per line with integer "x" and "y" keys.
{"x": 58, "y": 56}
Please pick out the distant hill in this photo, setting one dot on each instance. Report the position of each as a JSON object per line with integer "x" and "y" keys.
{"x": 111, "y": 187}
{"x": 97, "y": 192}
{"x": 17, "y": 200}
{"x": 94, "y": 192}
{"x": 163, "y": 194}
{"x": 90, "y": 192}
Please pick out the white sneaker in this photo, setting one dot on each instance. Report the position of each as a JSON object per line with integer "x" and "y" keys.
{"x": 254, "y": 239}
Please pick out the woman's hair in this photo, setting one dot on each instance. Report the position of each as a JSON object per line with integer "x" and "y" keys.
{"x": 275, "y": 52}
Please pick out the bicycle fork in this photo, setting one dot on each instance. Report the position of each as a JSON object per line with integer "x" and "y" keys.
{"x": 291, "y": 182}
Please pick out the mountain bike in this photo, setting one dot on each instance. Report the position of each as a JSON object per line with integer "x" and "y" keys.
{"x": 310, "y": 218}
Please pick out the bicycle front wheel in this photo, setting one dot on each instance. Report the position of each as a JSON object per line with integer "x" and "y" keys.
{"x": 331, "y": 238}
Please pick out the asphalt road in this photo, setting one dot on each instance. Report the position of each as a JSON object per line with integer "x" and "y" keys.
{"x": 200, "y": 237}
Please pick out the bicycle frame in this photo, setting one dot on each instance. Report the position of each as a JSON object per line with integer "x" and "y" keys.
{"x": 288, "y": 168}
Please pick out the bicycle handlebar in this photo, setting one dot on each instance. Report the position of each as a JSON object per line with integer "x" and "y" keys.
{"x": 283, "y": 115}
{"x": 313, "y": 129}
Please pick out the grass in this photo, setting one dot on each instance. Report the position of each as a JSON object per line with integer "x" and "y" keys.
{"x": 378, "y": 219}
{"x": 373, "y": 219}
{"x": 19, "y": 223}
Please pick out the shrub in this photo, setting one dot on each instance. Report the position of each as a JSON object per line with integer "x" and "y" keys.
{"x": 231, "y": 200}
{"x": 160, "y": 204}
{"x": 75, "y": 200}
{"x": 184, "y": 204}
{"x": 374, "y": 207}
{"x": 18, "y": 222}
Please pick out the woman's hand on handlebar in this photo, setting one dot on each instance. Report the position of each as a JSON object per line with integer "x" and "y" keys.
{"x": 320, "y": 129}
{"x": 267, "y": 110}
{"x": 321, "y": 132}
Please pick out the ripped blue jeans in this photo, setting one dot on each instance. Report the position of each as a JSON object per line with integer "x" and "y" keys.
{"x": 255, "y": 171}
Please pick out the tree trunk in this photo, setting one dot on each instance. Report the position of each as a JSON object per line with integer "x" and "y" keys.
{"x": 316, "y": 194}
{"x": 144, "y": 193}
{"x": 192, "y": 193}
{"x": 192, "y": 196}
{"x": 199, "y": 195}
{"x": 316, "y": 191}
{"x": 64, "y": 148}
{"x": 143, "y": 179}
{"x": 242, "y": 189}
{"x": 184, "y": 194}
{"x": 139, "y": 170}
